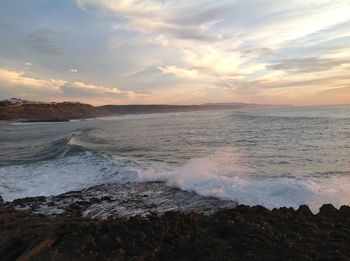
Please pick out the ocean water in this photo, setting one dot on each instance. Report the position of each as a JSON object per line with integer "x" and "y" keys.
{"x": 278, "y": 156}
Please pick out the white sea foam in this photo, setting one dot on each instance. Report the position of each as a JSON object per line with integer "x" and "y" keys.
{"x": 65, "y": 174}
{"x": 222, "y": 175}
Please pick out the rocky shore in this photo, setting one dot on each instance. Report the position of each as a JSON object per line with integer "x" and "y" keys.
{"x": 240, "y": 233}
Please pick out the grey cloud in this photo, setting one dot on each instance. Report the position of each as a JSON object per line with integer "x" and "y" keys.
{"x": 306, "y": 65}
{"x": 150, "y": 71}
{"x": 43, "y": 41}
{"x": 262, "y": 53}
{"x": 72, "y": 91}
{"x": 192, "y": 33}
{"x": 199, "y": 16}
{"x": 254, "y": 87}
{"x": 183, "y": 32}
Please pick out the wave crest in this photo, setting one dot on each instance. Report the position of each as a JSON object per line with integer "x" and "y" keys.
{"x": 224, "y": 175}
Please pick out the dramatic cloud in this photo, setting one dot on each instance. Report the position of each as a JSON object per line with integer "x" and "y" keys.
{"x": 181, "y": 51}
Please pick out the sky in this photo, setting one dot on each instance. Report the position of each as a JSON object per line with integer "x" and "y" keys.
{"x": 176, "y": 51}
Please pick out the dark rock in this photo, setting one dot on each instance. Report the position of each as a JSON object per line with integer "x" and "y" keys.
{"x": 344, "y": 211}
{"x": 304, "y": 211}
{"x": 106, "y": 198}
{"x": 328, "y": 210}
{"x": 23, "y": 201}
{"x": 11, "y": 249}
{"x": 242, "y": 233}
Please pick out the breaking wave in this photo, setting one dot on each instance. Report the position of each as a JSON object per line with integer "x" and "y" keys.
{"x": 43, "y": 151}
{"x": 222, "y": 175}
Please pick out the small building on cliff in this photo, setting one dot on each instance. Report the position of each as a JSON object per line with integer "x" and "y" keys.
{"x": 14, "y": 101}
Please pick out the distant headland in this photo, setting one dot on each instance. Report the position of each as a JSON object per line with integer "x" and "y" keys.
{"x": 19, "y": 110}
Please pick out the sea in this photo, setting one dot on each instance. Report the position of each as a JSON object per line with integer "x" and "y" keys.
{"x": 269, "y": 156}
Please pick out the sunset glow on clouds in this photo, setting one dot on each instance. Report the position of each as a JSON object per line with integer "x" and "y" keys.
{"x": 165, "y": 51}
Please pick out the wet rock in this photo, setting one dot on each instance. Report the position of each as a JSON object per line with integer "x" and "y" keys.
{"x": 20, "y": 201}
{"x": 124, "y": 200}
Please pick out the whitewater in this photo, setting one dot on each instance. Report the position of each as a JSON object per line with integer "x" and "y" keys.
{"x": 275, "y": 157}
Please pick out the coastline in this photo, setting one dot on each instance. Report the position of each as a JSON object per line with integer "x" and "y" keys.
{"x": 33, "y": 121}
{"x": 241, "y": 233}
{"x": 135, "y": 225}
{"x": 60, "y": 112}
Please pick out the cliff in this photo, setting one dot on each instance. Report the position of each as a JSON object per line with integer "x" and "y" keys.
{"x": 50, "y": 112}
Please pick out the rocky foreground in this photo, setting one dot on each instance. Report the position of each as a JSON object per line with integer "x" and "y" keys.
{"x": 241, "y": 233}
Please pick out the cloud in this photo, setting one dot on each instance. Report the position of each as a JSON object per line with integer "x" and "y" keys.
{"x": 313, "y": 84}
{"x": 334, "y": 95}
{"x": 161, "y": 17}
{"x": 204, "y": 30}
{"x": 15, "y": 78}
{"x": 43, "y": 41}
{"x": 80, "y": 89}
{"x": 261, "y": 53}
{"x": 179, "y": 72}
{"x": 200, "y": 49}
{"x": 13, "y": 83}
{"x": 307, "y": 65}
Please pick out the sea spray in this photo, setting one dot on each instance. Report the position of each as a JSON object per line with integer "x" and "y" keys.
{"x": 222, "y": 175}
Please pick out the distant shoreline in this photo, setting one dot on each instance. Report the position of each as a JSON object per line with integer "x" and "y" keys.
{"x": 60, "y": 112}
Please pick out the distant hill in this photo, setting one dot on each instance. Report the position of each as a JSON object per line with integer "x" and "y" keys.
{"x": 163, "y": 108}
{"x": 29, "y": 112}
